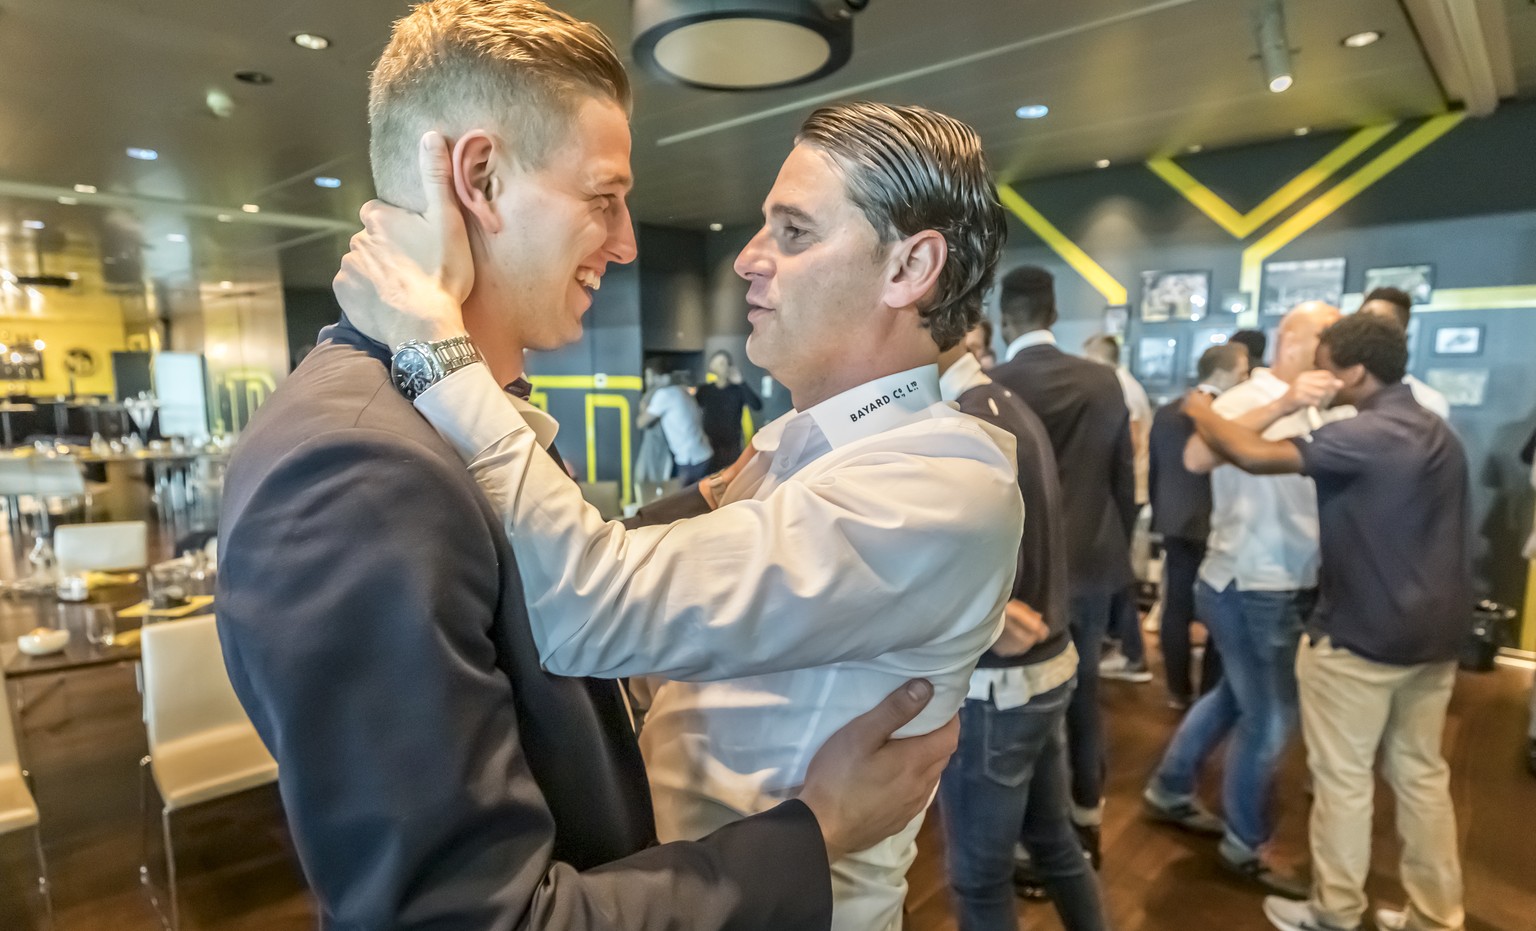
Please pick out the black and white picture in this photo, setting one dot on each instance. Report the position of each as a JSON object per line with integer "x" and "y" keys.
{"x": 1287, "y": 284}
{"x": 1458, "y": 341}
{"x": 1199, "y": 342}
{"x": 1154, "y": 359}
{"x": 1417, "y": 280}
{"x": 1461, "y": 387}
{"x": 1174, "y": 296}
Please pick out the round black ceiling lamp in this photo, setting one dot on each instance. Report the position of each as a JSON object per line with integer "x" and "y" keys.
{"x": 739, "y": 45}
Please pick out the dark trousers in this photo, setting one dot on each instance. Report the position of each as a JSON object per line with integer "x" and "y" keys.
{"x": 1181, "y": 568}
{"x": 1125, "y": 625}
{"x": 1088, "y": 617}
{"x": 689, "y": 474}
{"x": 1007, "y": 783}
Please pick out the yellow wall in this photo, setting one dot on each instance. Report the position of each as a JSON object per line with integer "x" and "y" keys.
{"x": 82, "y": 317}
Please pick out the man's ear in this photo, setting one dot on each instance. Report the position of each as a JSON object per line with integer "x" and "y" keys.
{"x": 1354, "y": 376}
{"x": 476, "y": 161}
{"x": 915, "y": 267}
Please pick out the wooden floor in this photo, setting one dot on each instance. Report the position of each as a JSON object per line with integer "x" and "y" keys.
{"x": 82, "y": 738}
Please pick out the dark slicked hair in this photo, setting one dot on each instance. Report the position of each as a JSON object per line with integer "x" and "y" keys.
{"x": 1400, "y": 300}
{"x": 1254, "y": 341}
{"x": 1028, "y": 299}
{"x": 1224, "y": 358}
{"x": 1363, "y": 339}
{"x": 909, "y": 170}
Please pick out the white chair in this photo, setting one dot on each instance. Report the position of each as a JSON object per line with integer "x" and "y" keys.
{"x": 85, "y": 547}
{"x": 201, "y": 744}
{"x": 18, "y": 811}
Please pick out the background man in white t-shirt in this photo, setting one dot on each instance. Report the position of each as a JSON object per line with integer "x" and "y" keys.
{"x": 682, "y": 423}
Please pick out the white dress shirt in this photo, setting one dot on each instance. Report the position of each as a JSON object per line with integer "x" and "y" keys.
{"x": 1032, "y": 338}
{"x": 1429, "y": 398}
{"x": 1264, "y": 532}
{"x": 682, "y": 423}
{"x": 841, "y": 563}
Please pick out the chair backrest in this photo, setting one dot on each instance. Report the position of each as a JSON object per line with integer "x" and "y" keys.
{"x": 186, "y": 688}
{"x": 57, "y": 478}
{"x": 113, "y": 545}
{"x": 15, "y": 476}
{"x": 9, "y": 755}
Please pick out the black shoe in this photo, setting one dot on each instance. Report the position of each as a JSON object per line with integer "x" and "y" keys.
{"x": 1027, "y": 885}
{"x": 1088, "y": 836}
{"x": 1188, "y": 814}
{"x": 1257, "y": 872}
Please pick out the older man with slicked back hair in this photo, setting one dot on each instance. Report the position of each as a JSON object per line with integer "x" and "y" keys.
{"x": 838, "y": 562}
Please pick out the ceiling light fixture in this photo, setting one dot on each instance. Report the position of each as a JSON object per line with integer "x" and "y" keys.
{"x": 745, "y": 44}
{"x": 226, "y": 285}
{"x": 1194, "y": 148}
{"x": 32, "y": 224}
{"x": 1032, "y": 111}
{"x": 85, "y": 189}
{"x": 69, "y": 201}
{"x": 251, "y": 208}
{"x": 1274, "y": 48}
{"x": 327, "y": 181}
{"x": 1361, "y": 39}
{"x": 1101, "y": 163}
{"x": 311, "y": 41}
{"x": 716, "y": 227}
{"x": 143, "y": 155}
{"x": 1302, "y": 130}
{"x": 226, "y": 218}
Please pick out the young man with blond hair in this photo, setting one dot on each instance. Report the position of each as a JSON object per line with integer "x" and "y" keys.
{"x": 380, "y": 627}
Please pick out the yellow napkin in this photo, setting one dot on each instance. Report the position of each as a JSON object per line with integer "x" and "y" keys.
{"x": 98, "y": 579}
{"x": 143, "y": 609}
{"x": 128, "y": 638}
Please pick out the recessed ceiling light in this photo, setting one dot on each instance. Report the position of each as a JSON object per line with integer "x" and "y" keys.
{"x": 1101, "y": 163}
{"x": 176, "y": 237}
{"x": 226, "y": 218}
{"x": 327, "y": 181}
{"x": 716, "y": 227}
{"x": 226, "y": 285}
{"x": 1302, "y": 130}
{"x": 69, "y": 201}
{"x": 143, "y": 155}
{"x": 85, "y": 189}
{"x": 1280, "y": 83}
{"x": 251, "y": 208}
{"x": 1361, "y": 39}
{"x": 1194, "y": 148}
{"x": 311, "y": 41}
{"x": 259, "y": 78}
{"x": 1032, "y": 111}
{"x": 32, "y": 224}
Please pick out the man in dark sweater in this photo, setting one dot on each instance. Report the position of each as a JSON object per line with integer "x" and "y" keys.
{"x": 723, "y": 400}
{"x": 1181, "y": 513}
{"x": 1379, "y": 660}
{"x": 1007, "y": 781}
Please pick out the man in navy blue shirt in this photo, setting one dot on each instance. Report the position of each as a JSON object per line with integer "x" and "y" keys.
{"x": 1379, "y": 661}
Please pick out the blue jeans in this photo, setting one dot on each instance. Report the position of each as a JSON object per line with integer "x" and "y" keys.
{"x": 1257, "y": 633}
{"x": 1088, "y": 618}
{"x": 689, "y": 474}
{"x": 1007, "y": 783}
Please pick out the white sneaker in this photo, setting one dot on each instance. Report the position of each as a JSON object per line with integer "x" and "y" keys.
{"x": 1289, "y": 915}
{"x": 1391, "y": 919}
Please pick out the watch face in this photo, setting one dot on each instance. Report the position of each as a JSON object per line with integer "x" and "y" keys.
{"x": 412, "y": 371}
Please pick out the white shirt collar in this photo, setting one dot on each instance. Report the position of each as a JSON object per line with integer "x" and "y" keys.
{"x": 544, "y": 426}
{"x": 961, "y": 377}
{"x": 877, "y": 406}
{"x": 1032, "y": 338}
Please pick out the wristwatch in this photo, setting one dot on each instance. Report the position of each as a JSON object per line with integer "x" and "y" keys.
{"x": 418, "y": 365}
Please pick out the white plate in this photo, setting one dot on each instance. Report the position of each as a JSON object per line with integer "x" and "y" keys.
{"x": 42, "y": 644}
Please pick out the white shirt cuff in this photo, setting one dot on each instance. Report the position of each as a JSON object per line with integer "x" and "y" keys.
{"x": 470, "y": 411}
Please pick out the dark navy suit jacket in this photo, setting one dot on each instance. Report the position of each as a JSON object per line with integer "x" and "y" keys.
{"x": 434, "y": 775}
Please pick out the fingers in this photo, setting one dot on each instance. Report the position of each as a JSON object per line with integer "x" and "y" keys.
{"x": 436, "y": 164}
{"x": 875, "y": 726}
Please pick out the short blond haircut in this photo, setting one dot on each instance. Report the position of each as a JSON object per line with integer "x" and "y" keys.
{"x": 515, "y": 68}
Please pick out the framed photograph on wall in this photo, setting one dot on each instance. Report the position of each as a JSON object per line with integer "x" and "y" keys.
{"x": 1459, "y": 341}
{"x": 1199, "y": 342}
{"x": 1461, "y": 387}
{"x": 1287, "y": 284}
{"x": 1155, "y": 359}
{"x": 1174, "y": 296}
{"x": 1417, "y": 280}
